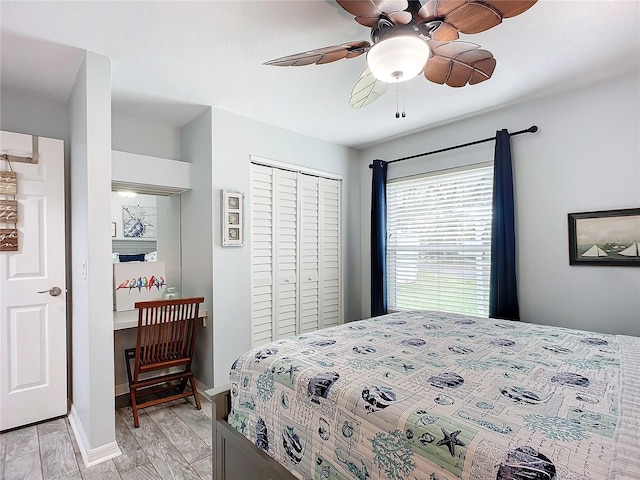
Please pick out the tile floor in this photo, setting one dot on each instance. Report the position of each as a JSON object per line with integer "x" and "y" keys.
{"x": 173, "y": 442}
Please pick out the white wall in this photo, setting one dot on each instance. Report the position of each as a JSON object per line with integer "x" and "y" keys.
{"x": 197, "y": 237}
{"x": 169, "y": 238}
{"x": 145, "y": 137}
{"x": 235, "y": 138}
{"x": 28, "y": 113}
{"x": 585, "y": 157}
{"x": 93, "y": 413}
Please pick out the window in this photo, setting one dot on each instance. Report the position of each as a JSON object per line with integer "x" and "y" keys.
{"x": 439, "y": 241}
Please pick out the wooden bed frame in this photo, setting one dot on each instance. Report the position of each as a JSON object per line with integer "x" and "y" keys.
{"x": 234, "y": 456}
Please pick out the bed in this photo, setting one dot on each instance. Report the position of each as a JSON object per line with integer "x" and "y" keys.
{"x": 430, "y": 395}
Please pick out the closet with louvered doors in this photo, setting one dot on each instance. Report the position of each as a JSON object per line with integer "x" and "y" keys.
{"x": 295, "y": 252}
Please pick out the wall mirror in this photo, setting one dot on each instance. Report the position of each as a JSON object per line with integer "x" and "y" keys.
{"x": 146, "y": 227}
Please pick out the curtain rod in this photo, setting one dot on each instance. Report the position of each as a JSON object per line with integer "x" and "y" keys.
{"x": 532, "y": 129}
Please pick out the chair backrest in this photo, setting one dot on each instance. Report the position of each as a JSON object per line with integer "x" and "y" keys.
{"x": 166, "y": 333}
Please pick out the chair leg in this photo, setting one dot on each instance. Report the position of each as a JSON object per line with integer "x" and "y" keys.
{"x": 195, "y": 393}
{"x": 129, "y": 354}
{"x": 183, "y": 385}
{"x": 134, "y": 408}
{"x": 127, "y": 362}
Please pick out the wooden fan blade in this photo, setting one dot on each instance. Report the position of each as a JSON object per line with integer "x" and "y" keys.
{"x": 398, "y": 18}
{"x": 367, "y": 90}
{"x": 322, "y": 55}
{"x": 458, "y": 64}
{"x": 367, "y": 12}
{"x": 472, "y": 16}
{"x": 445, "y": 33}
{"x": 372, "y": 8}
{"x": 482, "y": 70}
{"x": 511, "y": 8}
{"x": 434, "y": 9}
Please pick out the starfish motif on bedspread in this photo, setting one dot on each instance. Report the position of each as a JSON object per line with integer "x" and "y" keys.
{"x": 292, "y": 370}
{"x": 450, "y": 440}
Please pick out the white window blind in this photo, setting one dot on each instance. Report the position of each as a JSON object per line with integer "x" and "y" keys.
{"x": 439, "y": 241}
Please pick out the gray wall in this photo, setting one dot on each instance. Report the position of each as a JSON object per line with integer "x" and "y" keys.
{"x": 196, "y": 215}
{"x": 144, "y": 137}
{"x": 148, "y": 137}
{"x": 92, "y": 414}
{"x": 234, "y": 139}
{"x": 585, "y": 157}
{"x": 28, "y": 113}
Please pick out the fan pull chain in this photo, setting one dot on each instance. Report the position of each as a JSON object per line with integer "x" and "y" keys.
{"x": 400, "y": 93}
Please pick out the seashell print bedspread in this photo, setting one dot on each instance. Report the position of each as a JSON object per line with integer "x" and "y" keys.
{"x": 429, "y": 395}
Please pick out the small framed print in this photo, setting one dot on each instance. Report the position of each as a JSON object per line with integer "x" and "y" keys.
{"x": 113, "y": 229}
{"x": 232, "y": 218}
{"x": 233, "y": 202}
{"x": 234, "y": 233}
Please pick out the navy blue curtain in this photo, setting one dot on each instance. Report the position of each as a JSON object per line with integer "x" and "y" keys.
{"x": 379, "y": 239}
{"x": 503, "y": 297}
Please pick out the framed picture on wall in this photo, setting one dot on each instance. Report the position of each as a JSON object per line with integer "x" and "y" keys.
{"x": 606, "y": 238}
{"x": 232, "y": 219}
{"x": 113, "y": 229}
{"x": 139, "y": 221}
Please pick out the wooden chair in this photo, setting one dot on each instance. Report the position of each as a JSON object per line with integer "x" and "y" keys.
{"x": 166, "y": 339}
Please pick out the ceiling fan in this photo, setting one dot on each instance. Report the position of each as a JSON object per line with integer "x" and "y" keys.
{"x": 409, "y": 37}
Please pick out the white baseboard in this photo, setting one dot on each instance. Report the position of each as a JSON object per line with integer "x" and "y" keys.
{"x": 216, "y": 390}
{"x": 202, "y": 389}
{"x": 91, "y": 456}
{"x": 122, "y": 389}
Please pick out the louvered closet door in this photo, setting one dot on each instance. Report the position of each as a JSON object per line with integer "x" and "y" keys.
{"x": 261, "y": 221}
{"x": 295, "y": 253}
{"x": 309, "y": 252}
{"x": 285, "y": 217}
{"x": 329, "y": 265}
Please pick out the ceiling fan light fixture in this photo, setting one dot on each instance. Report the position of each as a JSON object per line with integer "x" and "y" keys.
{"x": 398, "y": 59}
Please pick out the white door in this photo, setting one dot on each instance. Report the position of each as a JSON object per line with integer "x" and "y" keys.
{"x": 261, "y": 222}
{"x": 309, "y": 252}
{"x": 33, "y": 353}
{"x": 285, "y": 258}
{"x": 330, "y": 291}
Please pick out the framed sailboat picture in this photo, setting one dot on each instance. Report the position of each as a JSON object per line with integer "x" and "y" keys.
{"x": 608, "y": 237}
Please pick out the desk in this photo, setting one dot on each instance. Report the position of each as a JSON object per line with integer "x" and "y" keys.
{"x": 125, "y": 326}
{"x": 129, "y": 319}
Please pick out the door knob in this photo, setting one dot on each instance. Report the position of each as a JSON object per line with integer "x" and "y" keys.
{"x": 53, "y": 291}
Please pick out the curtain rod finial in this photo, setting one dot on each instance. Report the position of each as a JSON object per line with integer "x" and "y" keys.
{"x": 532, "y": 129}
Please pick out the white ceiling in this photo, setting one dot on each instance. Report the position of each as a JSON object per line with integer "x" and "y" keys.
{"x": 171, "y": 59}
